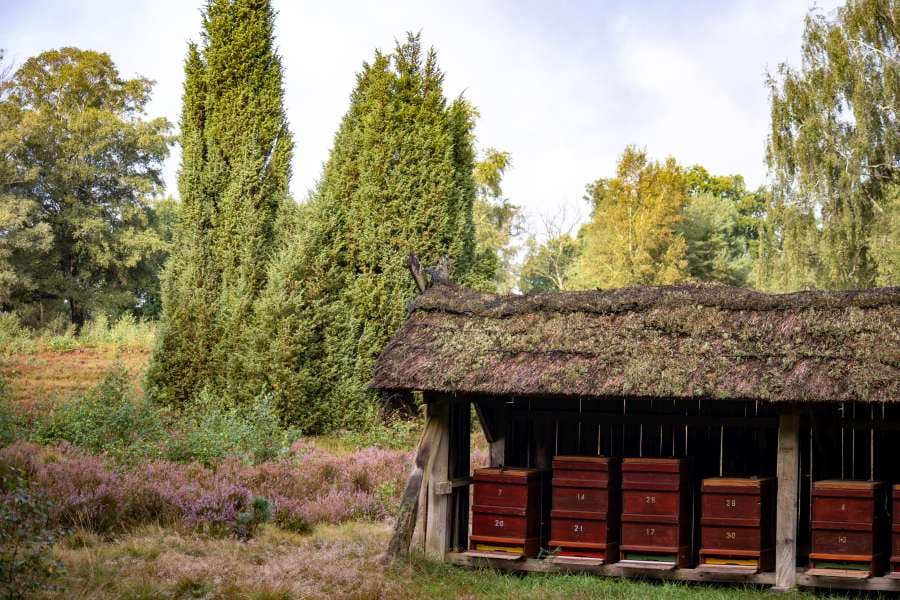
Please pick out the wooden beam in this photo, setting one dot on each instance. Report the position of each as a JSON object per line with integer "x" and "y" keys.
{"x": 439, "y": 520}
{"x": 409, "y": 502}
{"x": 533, "y": 565}
{"x": 595, "y": 418}
{"x": 788, "y": 471}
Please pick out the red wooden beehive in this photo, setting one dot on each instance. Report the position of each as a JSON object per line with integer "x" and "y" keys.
{"x": 656, "y": 510}
{"x": 895, "y": 535}
{"x": 737, "y": 523}
{"x": 584, "y": 521}
{"x": 509, "y": 511}
{"x": 849, "y": 519}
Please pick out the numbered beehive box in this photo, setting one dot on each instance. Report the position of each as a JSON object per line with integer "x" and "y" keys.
{"x": 584, "y": 521}
{"x": 656, "y": 511}
{"x": 509, "y": 509}
{"x": 737, "y": 523}
{"x": 849, "y": 527}
{"x": 895, "y": 535}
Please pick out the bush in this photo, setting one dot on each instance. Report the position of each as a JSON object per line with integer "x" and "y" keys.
{"x": 211, "y": 430}
{"x": 26, "y": 537}
{"x": 107, "y": 418}
{"x": 15, "y": 338}
{"x": 126, "y": 332}
{"x": 305, "y": 487}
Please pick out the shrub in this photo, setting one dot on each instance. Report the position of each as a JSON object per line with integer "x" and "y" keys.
{"x": 305, "y": 487}
{"x": 15, "y": 338}
{"x": 107, "y": 418}
{"x": 127, "y": 332}
{"x": 212, "y": 430}
{"x": 26, "y": 537}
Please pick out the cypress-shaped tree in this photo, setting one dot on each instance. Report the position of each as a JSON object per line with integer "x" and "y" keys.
{"x": 399, "y": 179}
{"x": 236, "y": 152}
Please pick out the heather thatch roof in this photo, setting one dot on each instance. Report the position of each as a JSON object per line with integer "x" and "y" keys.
{"x": 685, "y": 341}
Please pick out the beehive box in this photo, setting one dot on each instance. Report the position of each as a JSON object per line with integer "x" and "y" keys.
{"x": 584, "y": 521}
{"x": 656, "y": 511}
{"x": 737, "y": 523}
{"x": 849, "y": 527}
{"x": 509, "y": 509}
{"x": 895, "y": 534}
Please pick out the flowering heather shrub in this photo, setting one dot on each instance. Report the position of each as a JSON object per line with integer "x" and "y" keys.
{"x": 307, "y": 487}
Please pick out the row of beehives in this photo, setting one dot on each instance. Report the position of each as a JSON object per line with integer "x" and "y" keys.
{"x": 640, "y": 511}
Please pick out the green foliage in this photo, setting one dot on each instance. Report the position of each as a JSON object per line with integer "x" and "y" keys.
{"x": 208, "y": 430}
{"x": 834, "y": 150}
{"x": 399, "y": 180}
{"x": 27, "y": 535}
{"x": 236, "y": 152}
{"x": 78, "y": 166}
{"x": 248, "y": 521}
{"x": 884, "y": 239}
{"x": 632, "y": 236}
{"x": 107, "y": 418}
{"x": 497, "y": 221}
{"x": 390, "y": 433}
{"x": 716, "y": 250}
{"x": 548, "y": 264}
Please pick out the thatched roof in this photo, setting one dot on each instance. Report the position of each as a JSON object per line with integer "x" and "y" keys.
{"x": 685, "y": 341}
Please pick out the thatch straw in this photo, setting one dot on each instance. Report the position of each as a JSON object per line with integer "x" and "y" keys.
{"x": 685, "y": 341}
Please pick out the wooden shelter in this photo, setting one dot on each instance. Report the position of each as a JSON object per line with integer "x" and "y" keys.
{"x": 798, "y": 387}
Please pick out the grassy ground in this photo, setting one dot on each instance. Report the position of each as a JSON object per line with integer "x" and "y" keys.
{"x": 41, "y": 379}
{"x": 332, "y": 562}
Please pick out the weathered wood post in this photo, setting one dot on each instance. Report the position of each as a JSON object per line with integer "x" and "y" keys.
{"x": 788, "y": 471}
{"x": 438, "y": 526}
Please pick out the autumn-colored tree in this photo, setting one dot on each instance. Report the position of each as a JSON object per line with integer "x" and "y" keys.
{"x": 631, "y": 237}
{"x": 497, "y": 221}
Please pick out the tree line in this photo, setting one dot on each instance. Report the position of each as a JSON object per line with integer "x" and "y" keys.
{"x": 260, "y": 294}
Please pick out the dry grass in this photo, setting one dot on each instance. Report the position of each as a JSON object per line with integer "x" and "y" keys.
{"x": 38, "y": 381}
{"x": 333, "y": 562}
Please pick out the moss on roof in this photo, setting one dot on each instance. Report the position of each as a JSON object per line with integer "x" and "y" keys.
{"x": 685, "y": 341}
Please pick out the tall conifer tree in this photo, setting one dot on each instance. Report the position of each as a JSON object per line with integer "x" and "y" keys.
{"x": 399, "y": 179}
{"x": 236, "y": 152}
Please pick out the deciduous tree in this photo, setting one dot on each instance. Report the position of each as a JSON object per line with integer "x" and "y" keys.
{"x": 79, "y": 165}
{"x": 834, "y": 145}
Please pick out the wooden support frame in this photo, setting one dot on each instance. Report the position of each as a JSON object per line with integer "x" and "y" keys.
{"x": 788, "y": 470}
{"x": 438, "y": 519}
{"x": 447, "y": 495}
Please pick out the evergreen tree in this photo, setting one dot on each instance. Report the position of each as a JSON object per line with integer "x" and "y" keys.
{"x": 236, "y": 152}
{"x": 834, "y": 146}
{"x": 398, "y": 180}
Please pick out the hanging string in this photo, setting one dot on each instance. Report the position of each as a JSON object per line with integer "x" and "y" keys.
{"x": 721, "y": 450}
{"x": 842, "y": 440}
{"x": 599, "y": 440}
{"x": 579, "y": 425}
{"x": 871, "y": 443}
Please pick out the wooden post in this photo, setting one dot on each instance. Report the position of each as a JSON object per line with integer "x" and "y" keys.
{"x": 788, "y": 471}
{"x": 409, "y": 502}
{"x": 438, "y": 533}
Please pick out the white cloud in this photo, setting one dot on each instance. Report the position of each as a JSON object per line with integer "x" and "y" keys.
{"x": 563, "y": 86}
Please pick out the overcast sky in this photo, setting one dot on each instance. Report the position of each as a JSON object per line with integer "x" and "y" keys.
{"x": 563, "y": 86}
